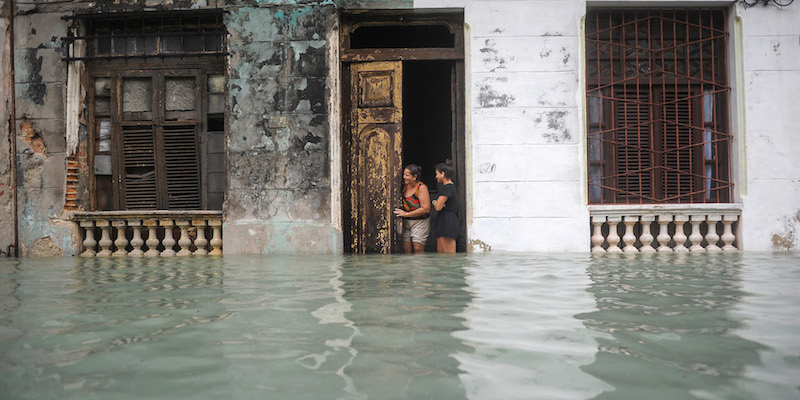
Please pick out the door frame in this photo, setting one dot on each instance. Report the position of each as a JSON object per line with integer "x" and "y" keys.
{"x": 349, "y": 21}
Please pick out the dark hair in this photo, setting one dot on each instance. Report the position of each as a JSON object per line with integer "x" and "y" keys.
{"x": 446, "y": 168}
{"x": 415, "y": 170}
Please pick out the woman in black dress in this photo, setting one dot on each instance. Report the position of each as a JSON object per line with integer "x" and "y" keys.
{"x": 447, "y": 225}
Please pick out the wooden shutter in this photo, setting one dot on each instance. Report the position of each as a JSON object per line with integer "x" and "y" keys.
{"x": 678, "y": 143}
{"x": 139, "y": 168}
{"x": 633, "y": 139}
{"x": 182, "y": 167}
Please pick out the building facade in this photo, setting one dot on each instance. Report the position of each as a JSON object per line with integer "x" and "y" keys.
{"x": 147, "y": 127}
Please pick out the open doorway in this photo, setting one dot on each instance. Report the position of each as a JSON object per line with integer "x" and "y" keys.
{"x": 427, "y": 115}
{"x": 428, "y": 121}
{"x": 403, "y": 103}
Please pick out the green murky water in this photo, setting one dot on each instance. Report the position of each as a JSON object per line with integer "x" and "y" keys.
{"x": 495, "y": 326}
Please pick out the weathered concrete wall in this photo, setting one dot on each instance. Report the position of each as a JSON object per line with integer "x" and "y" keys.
{"x": 526, "y": 156}
{"x": 40, "y": 82}
{"x": 279, "y": 191}
{"x": 6, "y": 215}
{"x": 771, "y": 88}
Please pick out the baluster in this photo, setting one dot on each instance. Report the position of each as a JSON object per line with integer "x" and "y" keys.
{"x": 597, "y": 235}
{"x": 184, "y": 241}
{"x": 89, "y": 243}
{"x": 152, "y": 238}
{"x": 629, "y": 238}
{"x": 169, "y": 241}
{"x": 105, "y": 238}
{"x": 647, "y": 235}
{"x": 200, "y": 241}
{"x": 712, "y": 237}
{"x": 680, "y": 236}
{"x": 613, "y": 236}
{"x": 696, "y": 238}
{"x": 121, "y": 242}
{"x": 727, "y": 236}
{"x": 663, "y": 233}
{"x": 216, "y": 237}
{"x": 136, "y": 241}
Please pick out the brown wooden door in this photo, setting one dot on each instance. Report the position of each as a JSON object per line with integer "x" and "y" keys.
{"x": 375, "y": 155}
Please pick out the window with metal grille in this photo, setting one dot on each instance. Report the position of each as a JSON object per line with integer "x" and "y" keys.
{"x": 150, "y": 34}
{"x": 657, "y": 107}
{"x": 158, "y": 128}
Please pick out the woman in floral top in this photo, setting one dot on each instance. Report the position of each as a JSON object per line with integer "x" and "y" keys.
{"x": 416, "y": 203}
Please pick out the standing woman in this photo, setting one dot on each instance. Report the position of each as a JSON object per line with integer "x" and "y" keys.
{"x": 416, "y": 207}
{"x": 447, "y": 225}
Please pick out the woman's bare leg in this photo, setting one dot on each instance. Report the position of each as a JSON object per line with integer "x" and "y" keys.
{"x": 418, "y": 247}
{"x": 446, "y": 245}
{"x": 407, "y": 247}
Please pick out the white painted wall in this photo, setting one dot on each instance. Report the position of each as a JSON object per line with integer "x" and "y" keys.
{"x": 771, "y": 135}
{"x": 526, "y": 152}
{"x": 526, "y": 123}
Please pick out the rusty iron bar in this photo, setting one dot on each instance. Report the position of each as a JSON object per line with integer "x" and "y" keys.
{"x": 159, "y": 55}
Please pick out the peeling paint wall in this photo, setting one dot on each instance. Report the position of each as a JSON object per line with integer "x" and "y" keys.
{"x": 6, "y": 216}
{"x": 525, "y": 110}
{"x": 279, "y": 190}
{"x": 41, "y": 176}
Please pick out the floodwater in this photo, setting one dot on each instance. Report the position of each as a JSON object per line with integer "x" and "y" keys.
{"x": 492, "y": 326}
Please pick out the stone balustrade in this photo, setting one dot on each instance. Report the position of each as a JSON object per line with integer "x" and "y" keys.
{"x": 150, "y": 233}
{"x": 664, "y": 228}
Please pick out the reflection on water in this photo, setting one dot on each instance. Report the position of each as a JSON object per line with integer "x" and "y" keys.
{"x": 510, "y": 326}
{"x": 405, "y": 313}
{"x": 665, "y": 326}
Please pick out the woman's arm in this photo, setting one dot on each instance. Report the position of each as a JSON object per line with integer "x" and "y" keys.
{"x": 424, "y": 199}
{"x": 438, "y": 204}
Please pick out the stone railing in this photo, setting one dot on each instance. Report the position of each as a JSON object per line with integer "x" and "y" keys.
{"x": 150, "y": 233}
{"x": 664, "y": 228}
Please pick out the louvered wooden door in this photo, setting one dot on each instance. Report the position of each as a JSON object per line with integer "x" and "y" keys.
{"x": 158, "y": 163}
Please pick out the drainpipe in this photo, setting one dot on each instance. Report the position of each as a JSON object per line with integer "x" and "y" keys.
{"x": 13, "y": 131}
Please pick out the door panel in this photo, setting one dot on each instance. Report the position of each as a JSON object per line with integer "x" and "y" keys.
{"x": 376, "y": 155}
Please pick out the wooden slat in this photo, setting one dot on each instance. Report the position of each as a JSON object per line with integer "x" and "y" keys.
{"x": 633, "y": 144}
{"x": 677, "y": 144}
{"x": 182, "y": 167}
{"x": 139, "y": 167}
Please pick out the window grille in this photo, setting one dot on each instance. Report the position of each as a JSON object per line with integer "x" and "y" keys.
{"x": 657, "y": 107}
{"x": 150, "y": 34}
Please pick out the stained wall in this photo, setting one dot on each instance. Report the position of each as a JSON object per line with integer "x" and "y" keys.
{"x": 769, "y": 127}
{"x": 526, "y": 128}
{"x": 525, "y": 148}
{"x": 279, "y": 192}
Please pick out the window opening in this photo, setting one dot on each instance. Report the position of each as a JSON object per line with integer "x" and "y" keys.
{"x": 402, "y": 36}
{"x": 152, "y": 34}
{"x": 158, "y": 125}
{"x": 657, "y": 107}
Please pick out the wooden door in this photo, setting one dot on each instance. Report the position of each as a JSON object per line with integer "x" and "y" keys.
{"x": 375, "y": 155}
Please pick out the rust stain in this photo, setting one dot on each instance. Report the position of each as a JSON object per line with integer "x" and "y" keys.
{"x": 786, "y": 239}
{"x": 477, "y": 245}
{"x": 33, "y": 138}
